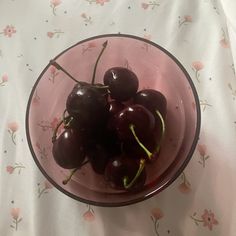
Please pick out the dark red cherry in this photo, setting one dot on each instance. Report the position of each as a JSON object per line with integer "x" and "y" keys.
{"x": 115, "y": 107}
{"x": 152, "y": 100}
{"x": 122, "y": 167}
{"x": 88, "y": 105}
{"x": 68, "y": 149}
{"x": 98, "y": 156}
{"x": 139, "y": 117}
{"x": 122, "y": 82}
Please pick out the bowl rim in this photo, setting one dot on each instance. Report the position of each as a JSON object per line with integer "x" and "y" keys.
{"x": 170, "y": 180}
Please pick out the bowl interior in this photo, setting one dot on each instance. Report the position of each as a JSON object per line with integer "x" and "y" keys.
{"x": 156, "y": 69}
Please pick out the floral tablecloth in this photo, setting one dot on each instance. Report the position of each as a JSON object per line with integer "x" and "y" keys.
{"x": 199, "y": 33}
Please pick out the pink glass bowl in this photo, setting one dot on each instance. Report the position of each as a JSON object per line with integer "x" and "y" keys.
{"x": 156, "y": 68}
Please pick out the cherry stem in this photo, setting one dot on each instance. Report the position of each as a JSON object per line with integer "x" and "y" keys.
{"x": 54, "y": 136}
{"x": 68, "y": 178}
{"x": 96, "y": 64}
{"x": 163, "y": 128}
{"x": 126, "y": 182}
{"x": 64, "y": 119}
{"x": 149, "y": 154}
{"x": 102, "y": 87}
{"x": 59, "y": 67}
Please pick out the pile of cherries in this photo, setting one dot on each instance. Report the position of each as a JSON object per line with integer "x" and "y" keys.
{"x": 112, "y": 126}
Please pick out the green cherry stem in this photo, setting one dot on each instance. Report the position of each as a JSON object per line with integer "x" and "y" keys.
{"x": 96, "y": 64}
{"x": 66, "y": 120}
{"x": 63, "y": 121}
{"x": 126, "y": 182}
{"x": 149, "y": 154}
{"x": 163, "y": 128}
{"x": 59, "y": 67}
{"x": 68, "y": 178}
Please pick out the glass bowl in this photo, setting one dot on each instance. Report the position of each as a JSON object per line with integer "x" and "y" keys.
{"x": 156, "y": 68}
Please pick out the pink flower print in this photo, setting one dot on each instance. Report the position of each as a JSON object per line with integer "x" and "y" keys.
{"x": 184, "y": 20}
{"x": 185, "y": 186}
{"x": 55, "y": 33}
{"x": 224, "y": 42}
{"x": 147, "y": 36}
{"x": 196, "y": 67}
{"x": 145, "y": 5}
{"x": 89, "y": 214}
{"x": 44, "y": 190}
{"x": 4, "y": 80}
{"x": 88, "y": 47}
{"x": 50, "y": 34}
{"x": 156, "y": 215}
{"x": 51, "y": 125}
{"x": 54, "y": 4}
{"x": 54, "y": 123}
{"x": 42, "y": 150}
{"x": 8, "y": 31}
{"x": 83, "y": 15}
{"x": 11, "y": 169}
{"x": 202, "y": 149}
{"x": 151, "y": 4}
{"x": 36, "y": 99}
{"x": 101, "y": 2}
{"x": 207, "y": 219}
{"x": 53, "y": 73}
{"x": 47, "y": 185}
{"x": 12, "y": 128}
{"x": 15, "y": 213}
{"x": 188, "y": 18}
{"x": 92, "y": 45}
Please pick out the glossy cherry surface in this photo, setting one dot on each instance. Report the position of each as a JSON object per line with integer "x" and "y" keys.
{"x": 123, "y": 83}
{"x": 123, "y": 166}
{"x": 152, "y": 100}
{"x": 88, "y": 105}
{"x": 68, "y": 149}
{"x": 138, "y": 116}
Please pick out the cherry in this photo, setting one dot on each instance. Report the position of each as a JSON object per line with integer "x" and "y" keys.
{"x": 115, "y": 107}
{"x": 86, "y": 104}
{"x": 98, "y": 156}
{"x": 123, "y": 83}
{"x": 152, "y": 100}
{"x": 137, "y": 116}
{"x": 68, "y": 149}
{"x": 123, "y": 172}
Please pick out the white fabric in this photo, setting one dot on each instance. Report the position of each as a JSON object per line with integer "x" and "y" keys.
{"x": 29, "y": 206}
